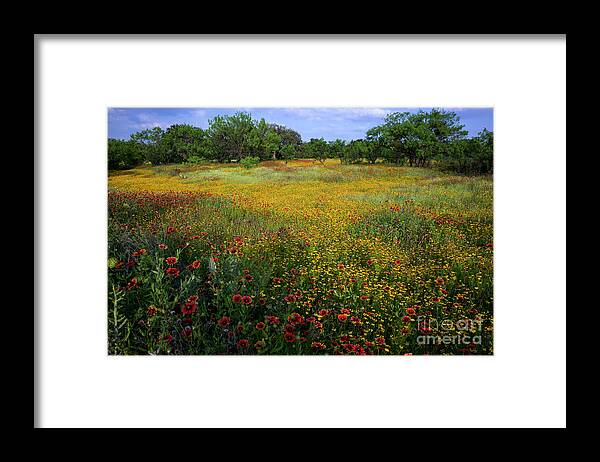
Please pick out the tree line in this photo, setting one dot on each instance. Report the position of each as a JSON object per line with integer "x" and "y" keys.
{"x": 422, "y": 139}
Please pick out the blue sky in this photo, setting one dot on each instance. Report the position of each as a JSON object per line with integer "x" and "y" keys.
{"x": 328, "y": 123}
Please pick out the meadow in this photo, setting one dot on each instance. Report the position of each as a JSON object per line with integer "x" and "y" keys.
{"x": 299, "y": 258}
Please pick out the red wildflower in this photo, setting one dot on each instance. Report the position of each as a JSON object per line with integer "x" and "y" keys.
{"x": 295, "y": 318}
{"x": 318, "y": 325}
{"x": 242, "y": 343}
{"x": 355, "y": 320}
{"x": 342, "y": 317}
{"x": 189, "y": 308}
{"x": 170, "y": 230}
{"x": 364, "y": 297}
{"x": 318, "y": 345}
{"x": 290, "y": 298}
{"x": 410, "y": 311}
{"x": 163, "y": 246}
{"x": 273, "y": 319}
{"x": 439, "y": 280}
{"x": 168, "y": 338}
{"x": 260, "y": 325}
{"x": 240, "y": 328}
{"x": 151, "y": 311}
{"x": 142, "y": 251}
{"x": 237, "y": 298}
{"x": 187, "y": 331}
{"x": 289, "y": 337}
{"x": 323, "y": 312}
{"x": 249, "y": 278}
{"x": 120, "y": 264}
{"x": 370, "y": 262}
{"x": 224, "y": 321}
{"x": 341, "y": 266}
{"x": 172, "y": 271}
{"x": 131, "y": 284}
{"x": 193, "y": 298}
{"x": 171, "y": 260}
{"x": 406, "y": 319}
{"x": 311, "y": 319}
{"x": 397, "y": 262}
{"x": 246, "y": 300}
{"x": 195, "y": 264}
{"x": 380, "y": 340}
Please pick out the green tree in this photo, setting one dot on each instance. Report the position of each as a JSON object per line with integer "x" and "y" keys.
{"x": 180, "y": 142}
{"x": 272, "y": 143}
{"x": 337, "y": 148}
{"x": 149, "y": 143}
{"x": 356, "y": 151}
{"x": 123, "y": 154}
{"x": 230, "y": 137}
{"x": 420, "y": 137}
{"x": 288, "y": 136}
{"x": 317, "y": 149}
{"x": 288, "y": 152}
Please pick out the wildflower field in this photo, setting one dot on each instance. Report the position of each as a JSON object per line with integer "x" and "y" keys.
{"x": 299, "y": 258}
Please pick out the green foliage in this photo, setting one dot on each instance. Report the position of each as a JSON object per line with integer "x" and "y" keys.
{"x": 356, "y": 151}
{"x": 288, "y": 136}
{"x": 123, "y": 154}
{"x": 416, "y": 138}
{"x": 317, "y": 148}
{"x": 193, "y": 159}
{"x": 288, "y": 152}
{"x": 337, "y": 148}
{"x": 250, "y": 162}
{"x": 179, "y": 142}
{"x": 229, "y": 137}
{"x": 419, "y": 139}
{"x": 470, "y": 156}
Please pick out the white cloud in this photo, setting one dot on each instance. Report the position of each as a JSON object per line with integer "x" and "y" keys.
{"x": 337, "y": 113}
{"x": 198, "y": 112}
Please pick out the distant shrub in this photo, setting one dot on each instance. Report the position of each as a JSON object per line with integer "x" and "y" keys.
{"x": 195, "y": 160}
{"x": 123, "y": 154}
{"x": 250, "y": 162}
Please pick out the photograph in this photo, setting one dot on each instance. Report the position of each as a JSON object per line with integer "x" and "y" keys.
{"x": 300, "y": 231}
{"x": 372, "y": 224}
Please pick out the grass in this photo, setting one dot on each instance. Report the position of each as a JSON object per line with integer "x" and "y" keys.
{"x": 398, "y": 247}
